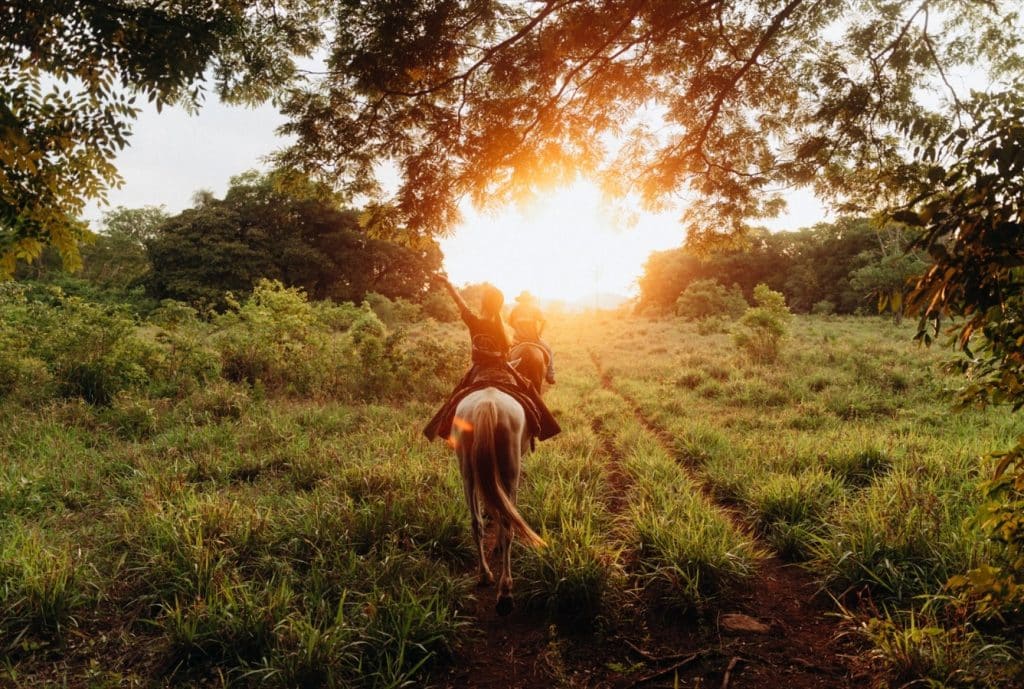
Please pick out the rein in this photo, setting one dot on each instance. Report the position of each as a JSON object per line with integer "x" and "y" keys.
{"x": 512, "y": 355}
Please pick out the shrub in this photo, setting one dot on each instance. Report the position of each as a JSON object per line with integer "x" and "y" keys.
{"x": 713, "y": 325}
{"x": 764, "y": 325}
{"x": 704, "y": 298}
{"x": 87, "y": 350}
{"x": 172, "y": 313}
{"x": 823, "y": 308}
{"x": 279, "y": 340}
{"x": 394, "y": 312}
{"x": 274, "y": 338}
{"x": 22, "y": 376}
{"x": 188, "y": 362}
{"x": 337, "y": 317}
{"x": 439, "y": 306}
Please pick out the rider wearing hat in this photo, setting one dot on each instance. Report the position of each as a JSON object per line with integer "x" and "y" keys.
{"x": 528, "y": 323}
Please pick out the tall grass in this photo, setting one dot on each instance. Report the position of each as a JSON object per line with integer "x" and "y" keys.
{"x": 259, "y": 522}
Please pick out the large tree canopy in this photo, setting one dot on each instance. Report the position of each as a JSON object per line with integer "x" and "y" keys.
{"x": 720, "y": 100}
{"x": 69, "y": 74}
{"x": 285, "y": 230}
{"x": 812, "y": 265}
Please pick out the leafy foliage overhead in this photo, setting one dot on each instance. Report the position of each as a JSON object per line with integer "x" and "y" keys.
{"x": 70, "y": 71}
{"x": 970, "y": 210}
{"x": 718, "y": 99}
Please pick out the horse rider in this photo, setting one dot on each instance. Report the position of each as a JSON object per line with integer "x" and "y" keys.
{"x": 491, "y": 367}
{"x": 528, "y": 323}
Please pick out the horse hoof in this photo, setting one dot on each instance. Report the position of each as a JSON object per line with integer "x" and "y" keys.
{"x": 504, "y": 606}
{"x": 485, "y": 580}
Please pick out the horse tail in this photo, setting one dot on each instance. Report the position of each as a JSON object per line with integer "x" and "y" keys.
{"x": 489, "y": 456}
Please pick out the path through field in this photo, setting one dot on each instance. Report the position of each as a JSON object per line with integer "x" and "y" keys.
{"x": 772, "y": 630}
{"x": 698, "y": 508}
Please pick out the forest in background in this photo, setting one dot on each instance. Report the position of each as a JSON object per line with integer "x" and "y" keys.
{"x": 288, "y": 229}
{"x": 851, "y": 265}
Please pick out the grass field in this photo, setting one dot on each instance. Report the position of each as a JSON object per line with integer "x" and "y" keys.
{"x": 235, "y": 537}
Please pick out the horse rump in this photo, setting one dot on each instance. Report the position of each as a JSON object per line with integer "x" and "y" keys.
{"x": 495, "y": 457}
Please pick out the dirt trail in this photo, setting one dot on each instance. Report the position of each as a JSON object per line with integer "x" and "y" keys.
{"x": 789, "y": 642}
{"x": 798, "y": 644}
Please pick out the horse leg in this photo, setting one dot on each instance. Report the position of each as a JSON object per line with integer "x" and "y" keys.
{"x": 476, "y": 524}
{"x": 504, "y": 604}
{"x": 510, "y": 479}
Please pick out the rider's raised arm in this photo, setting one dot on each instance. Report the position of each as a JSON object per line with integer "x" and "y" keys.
{"x": 457, "y": 298}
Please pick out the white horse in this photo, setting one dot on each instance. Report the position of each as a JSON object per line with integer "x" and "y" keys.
{"x": 489, "y": 435}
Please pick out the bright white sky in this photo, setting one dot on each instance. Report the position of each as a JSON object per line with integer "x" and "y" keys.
{"x": 569, "y": 246}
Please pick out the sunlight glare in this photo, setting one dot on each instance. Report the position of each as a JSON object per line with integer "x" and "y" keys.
{"x": 567, "y": 245}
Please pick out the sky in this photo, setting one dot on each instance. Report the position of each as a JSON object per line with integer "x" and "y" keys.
{"x": 568, "y": 246}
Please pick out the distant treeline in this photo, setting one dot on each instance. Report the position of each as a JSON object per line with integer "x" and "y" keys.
{"x": 265, "y": 227}
{"x": 836, "y": 267}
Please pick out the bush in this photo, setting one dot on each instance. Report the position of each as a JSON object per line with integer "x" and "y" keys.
{"x": 439, "y": 306}
{"x": 173, "y": 313}
{"x": 284, "y": 343}
{"x": 394, "y": 312}
{"x": 823, "y": 308}
{"x": 272, "y": 339}
{"x": 86, "y": 350}
{"x": 704, "y": 298}
{"x": 764, "y": 325}
{"x": 188, "y": 362}
{"x": 337, "y": 317}
{"x": 712, "y": 325}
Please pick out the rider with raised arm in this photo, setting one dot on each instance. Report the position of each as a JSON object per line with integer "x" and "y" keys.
{"x": 528, "y": 323}
{"x": 491, "y": 368}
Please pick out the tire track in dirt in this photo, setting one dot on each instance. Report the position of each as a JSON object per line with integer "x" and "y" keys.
{"x": 619, "y": 481}
{"x": 803, "y": 648}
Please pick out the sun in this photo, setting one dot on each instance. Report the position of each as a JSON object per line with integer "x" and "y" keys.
{"x": 567, "y": 245}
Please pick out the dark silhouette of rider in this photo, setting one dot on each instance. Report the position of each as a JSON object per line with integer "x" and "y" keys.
{"x": 528, "y": 323}
{"x": 491, "y": 367}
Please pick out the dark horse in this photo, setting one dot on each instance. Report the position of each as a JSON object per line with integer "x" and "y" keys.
{"x": 531, "y": 361}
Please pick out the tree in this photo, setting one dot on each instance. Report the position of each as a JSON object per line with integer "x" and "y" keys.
{"x": 287, "y": 229}
{"x": 116, "y": 256}
{"x": 493, "y": 100}
{"x": 666, "y": 274}
{"x": 70, "y": 71}
{"x": 810, "y": 265}
{"x": 970, "y": 211}
{"x": 889, "y": 279}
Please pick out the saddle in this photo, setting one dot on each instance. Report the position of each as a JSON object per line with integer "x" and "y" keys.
{"x": 538, "y": 418}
